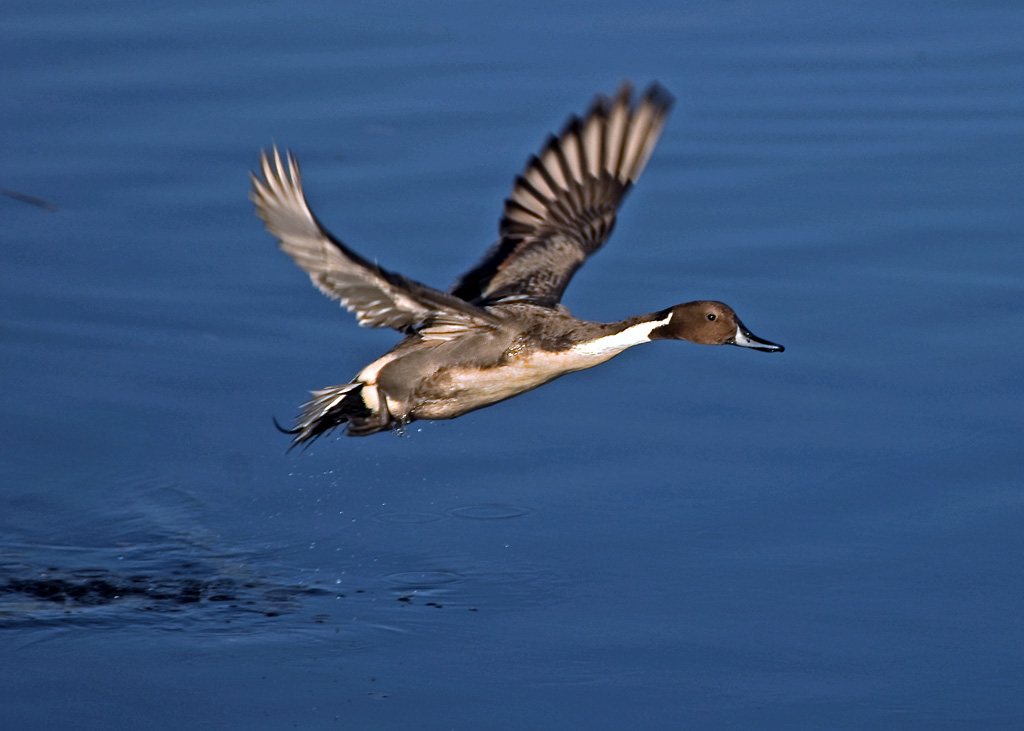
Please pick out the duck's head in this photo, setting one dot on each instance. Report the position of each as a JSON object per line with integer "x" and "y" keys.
{"x": 709, "y": 323}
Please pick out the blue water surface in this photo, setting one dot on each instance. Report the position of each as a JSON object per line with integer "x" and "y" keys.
{"x": 685, "y": 537}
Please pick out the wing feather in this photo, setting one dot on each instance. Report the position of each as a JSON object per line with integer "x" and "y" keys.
{"x": 563, "y": 206}
{"x": 378, "y": 297}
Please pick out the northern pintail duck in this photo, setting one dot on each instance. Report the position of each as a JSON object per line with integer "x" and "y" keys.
{"x": 500, "y": 330}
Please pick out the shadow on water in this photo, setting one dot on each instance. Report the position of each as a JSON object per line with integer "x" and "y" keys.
{"x": 200, "y": 591}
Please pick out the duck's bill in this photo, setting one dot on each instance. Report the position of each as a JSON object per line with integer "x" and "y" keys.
{"x": 746, "y": 339}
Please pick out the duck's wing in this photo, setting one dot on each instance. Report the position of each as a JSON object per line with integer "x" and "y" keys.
{"x": 378, "y": 297}
{"x": 562, "y": 208}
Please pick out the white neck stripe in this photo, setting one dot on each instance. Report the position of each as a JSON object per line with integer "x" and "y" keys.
{"x": 614, "y": 344}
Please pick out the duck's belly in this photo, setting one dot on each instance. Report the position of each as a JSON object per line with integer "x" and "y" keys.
{"x": 455, "y": 390}
{"x": 460, "y": 390}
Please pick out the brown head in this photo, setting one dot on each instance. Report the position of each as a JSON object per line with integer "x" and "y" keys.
{"x": 709, "y": 323}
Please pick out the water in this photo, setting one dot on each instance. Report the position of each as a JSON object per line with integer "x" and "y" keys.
{"x": 684, "y": 537}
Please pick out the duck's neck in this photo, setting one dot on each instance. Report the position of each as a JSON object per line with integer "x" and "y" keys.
{"x": 623, "y": 335}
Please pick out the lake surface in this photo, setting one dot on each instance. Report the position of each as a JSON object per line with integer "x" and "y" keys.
{"x": 685, "y": 537}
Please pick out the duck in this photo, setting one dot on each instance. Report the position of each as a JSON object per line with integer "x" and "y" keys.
{"x": 500, "y": 330}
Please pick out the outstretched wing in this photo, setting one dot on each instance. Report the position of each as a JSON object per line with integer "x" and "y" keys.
{"x": 378, "y": 297}
{"x": 562, "y": 208}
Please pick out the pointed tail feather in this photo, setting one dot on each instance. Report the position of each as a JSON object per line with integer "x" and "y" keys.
{"x": 329, "y": 408}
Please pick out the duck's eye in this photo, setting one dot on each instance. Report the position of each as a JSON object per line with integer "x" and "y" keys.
{"x": 712, "y": 316}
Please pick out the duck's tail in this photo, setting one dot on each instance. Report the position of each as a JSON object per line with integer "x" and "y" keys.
{"x": 329, "y": 408}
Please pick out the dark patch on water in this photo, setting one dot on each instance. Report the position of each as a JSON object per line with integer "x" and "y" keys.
{"x": 32, "y": 200}
{"x": 97, "y": 591}
{"x": 45, "y": 595}
{"x": 53, "y": 595}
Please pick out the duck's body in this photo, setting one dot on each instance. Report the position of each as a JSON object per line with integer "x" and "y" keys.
{"x": 533, "y": 346}
{"x": 501, "y": 330}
